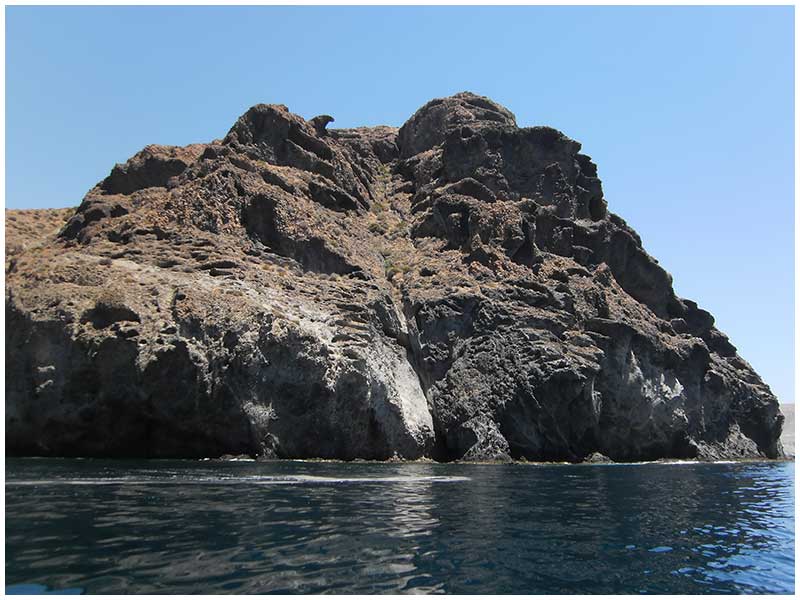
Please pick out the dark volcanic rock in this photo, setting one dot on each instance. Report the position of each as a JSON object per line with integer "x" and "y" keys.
{"x": 596, "y": 458}
{"x": 454, "y": 289}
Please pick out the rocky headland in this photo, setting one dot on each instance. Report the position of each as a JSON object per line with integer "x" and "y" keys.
{"x": 453, "y": 289}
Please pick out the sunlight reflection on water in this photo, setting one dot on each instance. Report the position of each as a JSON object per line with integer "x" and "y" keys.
{"x": 202, "y": 527}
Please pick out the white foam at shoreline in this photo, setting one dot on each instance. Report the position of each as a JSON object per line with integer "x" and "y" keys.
{"x": 254, "y": 480}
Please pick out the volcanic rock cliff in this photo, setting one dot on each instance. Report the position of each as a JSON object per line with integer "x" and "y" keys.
{"x": 454, "y": 289}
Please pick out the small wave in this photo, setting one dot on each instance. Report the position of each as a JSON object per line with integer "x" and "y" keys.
{"x": 687, "y": 461}
{"x": 253, "y": 480}
{"x": 36, "y": 589}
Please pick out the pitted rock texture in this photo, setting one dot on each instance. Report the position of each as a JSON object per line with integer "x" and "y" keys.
{"x": 454, "y": 289}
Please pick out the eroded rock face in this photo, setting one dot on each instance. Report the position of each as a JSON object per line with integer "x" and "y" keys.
{"x": 454, "y": 289}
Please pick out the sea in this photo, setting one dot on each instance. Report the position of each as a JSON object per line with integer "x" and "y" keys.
{"x": 213, "y": 527}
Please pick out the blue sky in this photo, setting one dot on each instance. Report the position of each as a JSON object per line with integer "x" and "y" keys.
{"x": 688, "y": 112}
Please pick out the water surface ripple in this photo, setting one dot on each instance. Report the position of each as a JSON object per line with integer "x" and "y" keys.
{"x": 302, "y": 527}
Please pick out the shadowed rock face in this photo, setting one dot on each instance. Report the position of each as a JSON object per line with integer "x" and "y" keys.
{"x": 455, "y": 289}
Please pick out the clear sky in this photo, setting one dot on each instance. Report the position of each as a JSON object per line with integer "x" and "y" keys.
{"x": 687, "y": 111}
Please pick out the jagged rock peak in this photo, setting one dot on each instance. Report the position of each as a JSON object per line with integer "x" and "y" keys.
{"x": 430, "y": 125}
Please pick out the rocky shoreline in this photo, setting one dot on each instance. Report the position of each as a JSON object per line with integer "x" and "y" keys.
{"x": 510, "y": 461}
{"x": 455, "y": 289}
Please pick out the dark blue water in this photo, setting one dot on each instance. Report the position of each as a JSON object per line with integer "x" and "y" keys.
{"x": 202, "y": 527}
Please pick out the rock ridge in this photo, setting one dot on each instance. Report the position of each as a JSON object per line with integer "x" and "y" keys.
{"x": 454, "y": 289}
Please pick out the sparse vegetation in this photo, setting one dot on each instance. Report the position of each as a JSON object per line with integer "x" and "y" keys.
{"x": 110, "y": 298}
{"x": 392, "y": 267}
{"x": 377, "y": 227}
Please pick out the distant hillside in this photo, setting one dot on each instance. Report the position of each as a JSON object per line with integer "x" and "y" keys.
{"x": 787, "y": 437}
